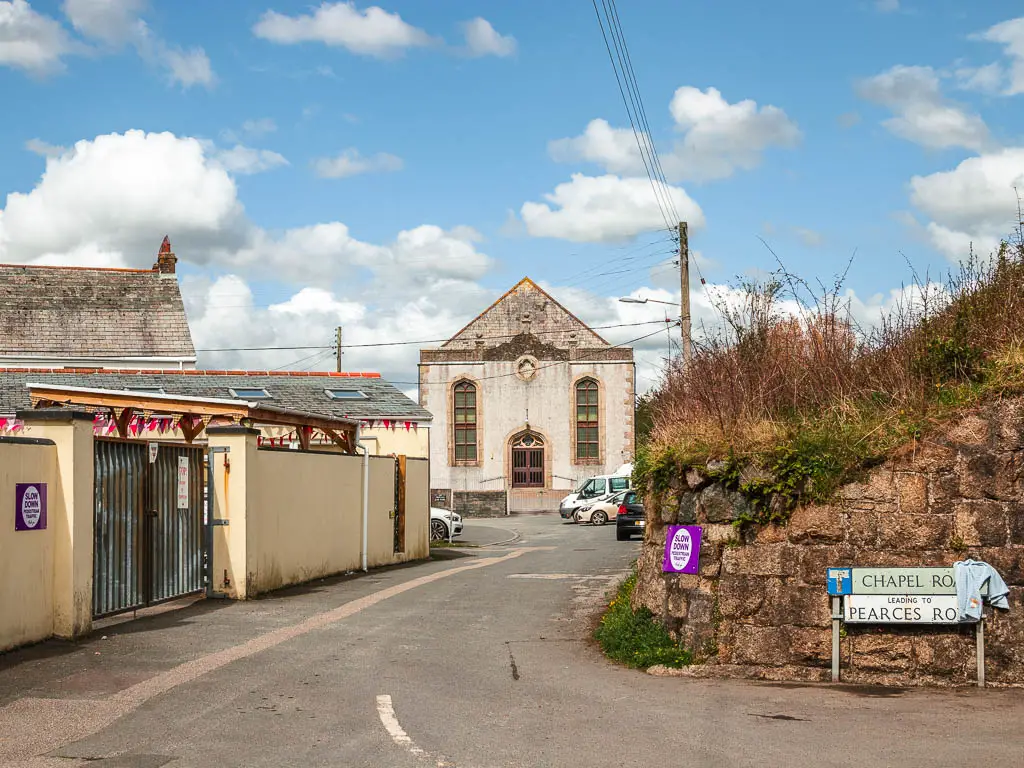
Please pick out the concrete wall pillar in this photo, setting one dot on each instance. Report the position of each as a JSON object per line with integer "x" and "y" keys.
{"x": 231, "y": 550}
{"x": 70, "y": 514}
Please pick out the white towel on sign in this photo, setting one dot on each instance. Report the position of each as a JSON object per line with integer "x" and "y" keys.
{"x": 971, "y": 576}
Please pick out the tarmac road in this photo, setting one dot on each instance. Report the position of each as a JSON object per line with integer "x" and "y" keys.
{"x": 479, "y": 658}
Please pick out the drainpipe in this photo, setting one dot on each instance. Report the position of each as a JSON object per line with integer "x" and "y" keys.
{"x": 366, "y": 494}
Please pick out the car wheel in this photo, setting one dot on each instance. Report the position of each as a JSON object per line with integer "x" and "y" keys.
{"x": 438, "y": 530}
{"x": 599, "y": 518}
{"x": 622, "y": 535}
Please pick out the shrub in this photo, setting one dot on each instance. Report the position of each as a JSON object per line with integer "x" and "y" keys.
{"x": 634, "y": 638}
{"x": 790, "y": 384}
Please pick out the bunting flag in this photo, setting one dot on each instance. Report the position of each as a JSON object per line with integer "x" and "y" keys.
{"x": 387, "y": 424}
{"x": 111, "y": 427}
{"x": 259, "y": 441}
{"x": 3, "y": 423}
{"x": 135, "y": 425}
{"x": 408, "y": 425}
{"x": 151, "y": 425}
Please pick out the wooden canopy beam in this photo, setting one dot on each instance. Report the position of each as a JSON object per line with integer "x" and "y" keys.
{"x": 194, "y": 411}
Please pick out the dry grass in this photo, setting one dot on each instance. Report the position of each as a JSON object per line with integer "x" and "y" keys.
{"x": 790, "y": 373}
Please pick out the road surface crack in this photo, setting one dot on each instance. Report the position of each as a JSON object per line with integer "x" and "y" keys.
{"x": 512, "y": 661}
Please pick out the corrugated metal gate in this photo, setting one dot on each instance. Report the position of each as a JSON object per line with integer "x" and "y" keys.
{"x": 148, "y": 546}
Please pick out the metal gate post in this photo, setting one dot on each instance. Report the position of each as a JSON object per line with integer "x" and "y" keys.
{"x": 211, "y": 502}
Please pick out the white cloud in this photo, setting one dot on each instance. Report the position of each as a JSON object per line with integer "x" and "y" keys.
{"x": 43, "y": 148}
{"x": 350, "y": 163}
{"x": 1011, "y": 35}
{"x": 809, "y": 237}
{"x": 370, "y": 32}
{"x": 116, "y": 23}
{"x": 718, "y": 139}
{"x": 241, "y": 159}
{"x": 722, "y": 137}
{"x": 887, "y": 6}
{"x": 922, "y": 114}
{"x": 987, "y": 79}
{"x": 224, "y": 314}
{"x": 111, "y": 21}
{"x": 604, "y": 209}
{"x": 31, "y": 41}
{"x": 483, "y": 40}
{"x": 187, "y": 68}
{"x": 113, "y": 194}
{"x": 975, "y": 202}
{"x": 106, "y": 201}
{"x": 260, "y": 127}
{"x": 613, "y": 148}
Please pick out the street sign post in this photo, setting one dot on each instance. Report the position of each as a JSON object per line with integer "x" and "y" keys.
{"x": 896, "y": 596}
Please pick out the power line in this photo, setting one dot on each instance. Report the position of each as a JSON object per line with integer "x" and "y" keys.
{"x": 633, "y": 105}
{"x": 645, "y": 125}
{"x": 583, "y": 358}
{"x": 333, "y": 347}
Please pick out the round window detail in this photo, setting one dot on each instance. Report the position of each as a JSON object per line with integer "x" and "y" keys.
{"x": 526, "y": 368}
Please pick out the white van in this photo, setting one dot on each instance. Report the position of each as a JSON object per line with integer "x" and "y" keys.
{"x": 595, "y": 487}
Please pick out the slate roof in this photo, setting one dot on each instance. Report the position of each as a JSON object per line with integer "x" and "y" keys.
{"x": 297, "y": 391}
{"x": 87, "y": 312}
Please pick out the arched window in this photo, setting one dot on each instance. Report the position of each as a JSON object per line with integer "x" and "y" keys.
{"x": 464, "y": 422}
{"x": 587, "y": 443}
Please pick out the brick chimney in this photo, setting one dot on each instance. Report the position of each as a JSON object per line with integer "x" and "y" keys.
{"x": 165, "y": 258}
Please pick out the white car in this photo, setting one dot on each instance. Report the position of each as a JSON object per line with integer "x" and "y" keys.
{"x": 440, "y": 520}
{"x": 601, "y": 510}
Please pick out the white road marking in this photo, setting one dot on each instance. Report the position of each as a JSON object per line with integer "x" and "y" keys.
{"x": 552, "y": 576}
{"x": 386, "y": 712}
{"x": 80, "y": 718}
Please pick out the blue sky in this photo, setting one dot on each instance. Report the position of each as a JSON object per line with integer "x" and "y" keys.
{"x": 885, "y": 129}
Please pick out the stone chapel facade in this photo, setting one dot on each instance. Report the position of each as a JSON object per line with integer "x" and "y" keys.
{"x": 527, "y": 402}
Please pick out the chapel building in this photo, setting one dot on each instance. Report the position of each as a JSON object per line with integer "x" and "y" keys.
{"x": 527, "y": 402}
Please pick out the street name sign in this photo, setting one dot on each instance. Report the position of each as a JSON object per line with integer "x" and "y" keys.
{"x": 900, "y": 609}
{"x": 892, "y": 581}
{"x": 897, "y": 596}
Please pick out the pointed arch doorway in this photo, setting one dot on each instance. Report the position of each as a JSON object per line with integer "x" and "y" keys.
{"x": 528, "y": 460}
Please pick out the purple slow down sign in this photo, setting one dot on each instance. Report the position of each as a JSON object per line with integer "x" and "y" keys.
{"x": 682, "y": 549}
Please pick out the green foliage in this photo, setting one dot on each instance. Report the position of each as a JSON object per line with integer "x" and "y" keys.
{"x": 644, "y": 418}
{"x": 634, "y": 638}
{"x": 949, "y": 358}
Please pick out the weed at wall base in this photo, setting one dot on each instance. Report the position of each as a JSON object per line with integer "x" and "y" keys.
{"x": 635, "y": 638}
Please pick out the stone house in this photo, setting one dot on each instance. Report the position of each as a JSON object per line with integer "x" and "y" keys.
{"x": 86, "y": 317}
{"x": 527, "y": 402}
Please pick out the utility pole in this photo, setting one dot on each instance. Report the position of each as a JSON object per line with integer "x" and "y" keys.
{"x": 338, "y": 349}
{"x": 684, "y": 287}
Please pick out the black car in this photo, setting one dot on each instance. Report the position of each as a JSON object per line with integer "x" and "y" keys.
{"x": 631, "y": 518}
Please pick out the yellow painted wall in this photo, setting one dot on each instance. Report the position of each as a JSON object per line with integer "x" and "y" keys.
{"x": 417, "y": 509}
{"x": 384, "y": 442}
{"x": 26, "y": 557}
{"x": 303, "y": 517}
{"x": 380, "y": 546}
{"x": 71, "y": 507}
{"x": 230, "y": 480}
